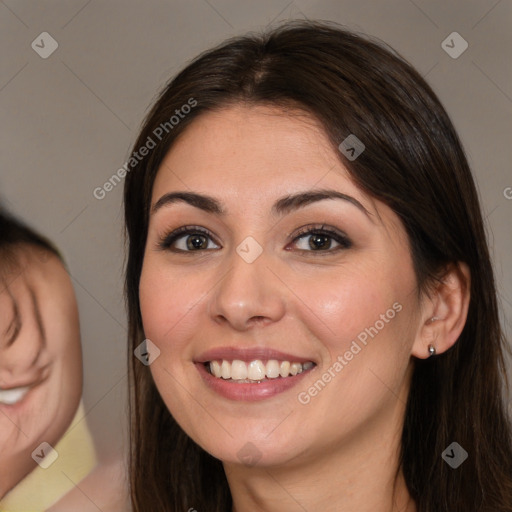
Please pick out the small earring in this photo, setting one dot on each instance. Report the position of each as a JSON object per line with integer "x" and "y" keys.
{"x": 431, "y": 350}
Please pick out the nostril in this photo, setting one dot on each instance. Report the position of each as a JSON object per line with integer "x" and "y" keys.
{"x": 258, "y": 321}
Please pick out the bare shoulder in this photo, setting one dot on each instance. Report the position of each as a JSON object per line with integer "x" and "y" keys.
{"x": 105, "y": 488}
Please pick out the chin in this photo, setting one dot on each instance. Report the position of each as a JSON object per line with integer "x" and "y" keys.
{"x": 253, "y": 450}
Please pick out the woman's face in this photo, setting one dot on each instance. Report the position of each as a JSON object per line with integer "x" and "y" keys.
{"x": 40, "y": 357}
{"x": 273, "y": 273}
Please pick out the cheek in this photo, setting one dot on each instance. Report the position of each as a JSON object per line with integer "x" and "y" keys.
{"x": 169, "y": 302}
{"x": 362, "y": 326}
{"x": 340, "y": 306}
{"x": 362, "y": 319}
{"x": 66, "y": 352}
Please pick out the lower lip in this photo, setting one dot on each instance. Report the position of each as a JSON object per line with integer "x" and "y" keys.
{"x": 248, "y": 392}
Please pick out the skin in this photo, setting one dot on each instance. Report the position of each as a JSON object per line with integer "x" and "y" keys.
{"x": 340, "y": 451}
{"x": 91, "y": 494}
{"x": 44, "y": 352}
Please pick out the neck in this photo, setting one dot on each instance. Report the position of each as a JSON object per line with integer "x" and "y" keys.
{"x": 359, "y": 474}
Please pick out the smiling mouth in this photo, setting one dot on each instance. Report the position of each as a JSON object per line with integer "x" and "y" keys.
{"x": 14, "y": 395}
{"x": 256, "y": 371}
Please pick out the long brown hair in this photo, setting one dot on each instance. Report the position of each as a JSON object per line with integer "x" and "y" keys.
{"x": 414, "y": 163}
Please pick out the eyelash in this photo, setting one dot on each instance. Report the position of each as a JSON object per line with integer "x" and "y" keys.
{"x": 344, "y": 242}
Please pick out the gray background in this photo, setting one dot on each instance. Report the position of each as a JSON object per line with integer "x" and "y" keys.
{"x": 68, "y": 123}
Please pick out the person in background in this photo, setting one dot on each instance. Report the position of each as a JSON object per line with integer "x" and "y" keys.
{"x": 45, "y": 444}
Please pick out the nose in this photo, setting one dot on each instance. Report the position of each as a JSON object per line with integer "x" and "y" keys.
{"x": 248, "y": 295}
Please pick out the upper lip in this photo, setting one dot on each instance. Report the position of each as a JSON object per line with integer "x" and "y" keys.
{"x": 40, "y": 377}
{"x": 248, "y": 355}
{"x": 18, "y": 385}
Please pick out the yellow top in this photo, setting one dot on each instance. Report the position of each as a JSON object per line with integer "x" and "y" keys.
{"x": 41, "y": 488}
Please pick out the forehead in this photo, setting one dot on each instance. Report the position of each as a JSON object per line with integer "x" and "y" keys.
{"x": 253, "y": 153}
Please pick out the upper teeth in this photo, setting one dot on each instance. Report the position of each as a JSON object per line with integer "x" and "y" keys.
{"x": 256, "y": 370}
{"x": 12, "y": 396}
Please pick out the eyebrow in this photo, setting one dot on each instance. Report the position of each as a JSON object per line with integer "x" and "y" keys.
{"x": 282, "y": 206}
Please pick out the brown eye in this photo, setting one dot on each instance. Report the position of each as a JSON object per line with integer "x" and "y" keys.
{"x": 197, "y": 241}
{"x": 321, "y": 240}
{"x": 188, "y": 239}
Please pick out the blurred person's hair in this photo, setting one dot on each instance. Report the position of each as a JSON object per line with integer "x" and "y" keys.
{"x": 15, "y": 235}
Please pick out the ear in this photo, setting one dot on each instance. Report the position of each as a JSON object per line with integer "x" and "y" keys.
{"x": 444, "y": 311}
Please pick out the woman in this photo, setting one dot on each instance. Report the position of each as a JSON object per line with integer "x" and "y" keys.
{"x": 308, "y": 270}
